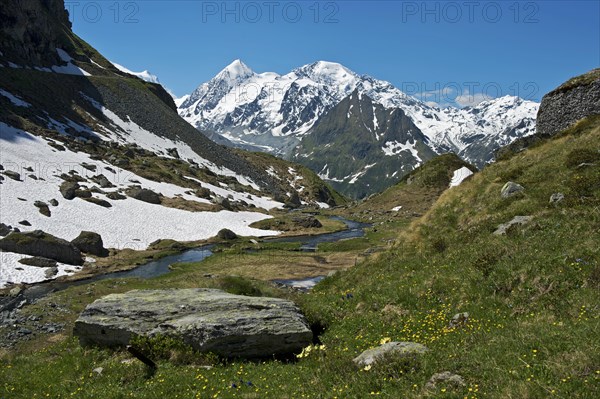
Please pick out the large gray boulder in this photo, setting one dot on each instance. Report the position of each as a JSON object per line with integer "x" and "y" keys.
{"x": 39, "y": 243}
{"x": 209, "y": 320}
{"x": 143, "y": 194}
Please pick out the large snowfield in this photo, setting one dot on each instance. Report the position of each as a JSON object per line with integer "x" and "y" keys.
{"x": 129, "y": 223}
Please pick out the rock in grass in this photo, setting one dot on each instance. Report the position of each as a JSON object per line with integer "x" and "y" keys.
{"x": 445, "y": 378}
{"x": 39, "y": 243}
{"x": 516, "y": 221}
{"x": 556, "y": 198}
{"x": 510, "y": 189}
{"x": 91, "y": 243}
{"x": 372, "y": 356}
{"x": 207, "y": 319}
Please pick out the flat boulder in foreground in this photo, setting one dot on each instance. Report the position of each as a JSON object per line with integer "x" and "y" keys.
{"x": 209, "y": 320}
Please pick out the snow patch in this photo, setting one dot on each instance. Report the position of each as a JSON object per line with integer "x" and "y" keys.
{"x": 15, "y": 99}
{"x": 460, "y": 175}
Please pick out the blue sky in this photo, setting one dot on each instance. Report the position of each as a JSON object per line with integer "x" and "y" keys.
{"x": 449, "y": 52}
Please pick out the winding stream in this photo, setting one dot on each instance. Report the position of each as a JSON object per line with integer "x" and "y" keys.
{"x": 159, "y": 267}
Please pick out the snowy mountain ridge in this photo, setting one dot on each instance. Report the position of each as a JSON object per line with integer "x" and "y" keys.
{"x": 275, "y": 111}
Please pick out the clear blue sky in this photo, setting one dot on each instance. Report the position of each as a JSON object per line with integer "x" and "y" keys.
{"x": 457, "y": 47}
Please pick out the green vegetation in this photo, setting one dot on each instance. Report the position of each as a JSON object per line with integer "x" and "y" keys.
{"x": 580, "y": 80}
{"x": 532, "y": 296}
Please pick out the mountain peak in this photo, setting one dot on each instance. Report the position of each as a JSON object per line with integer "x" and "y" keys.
{"x": 237, "y": 70}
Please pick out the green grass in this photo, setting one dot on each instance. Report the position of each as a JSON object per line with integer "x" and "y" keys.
{"x": 533, "y": 297}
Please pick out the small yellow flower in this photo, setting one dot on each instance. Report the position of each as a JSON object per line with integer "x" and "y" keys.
{"x": 385, "y": 340}
{"x": 367, "y": 367}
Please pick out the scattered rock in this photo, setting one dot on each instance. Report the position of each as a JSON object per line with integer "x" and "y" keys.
{"x": 25, "y": 223}
{"x": 203, "y": 192}
{"x": 143, "y": 194}
{"x": 371, "y": 356}
{"x": 99, "y": 201}
{"x": 38, "y": 261}
{"x": 173, "y": 152}
{"x": 307, "y": 222}
{"x": 102, "y": 181}
{"x": 510, "y": 189}
{"x": 445, "y": 378}
{"x": 12, "y": 175}
{"x": 53, "y": 202}
{"x": 91, "y": 243}
{"x": 226, "y": 234}
{"x": 39, "y": 243}
{"x": 4, "y": 230}
{"x": 51, "y": 272}
{"x": 211, "y": 321}
{"x": 556, "y": 198}
{"x": 115, "y": 195}
{"x": 98, "y": 370}
{"x": 516, "y": 221}
{"x": 459, "y": 320}
{"x": 68, "y": 189}
{"x": 89, "y": 166}
{"x": 43, "y": 208}
{"x": 224, "y": 202}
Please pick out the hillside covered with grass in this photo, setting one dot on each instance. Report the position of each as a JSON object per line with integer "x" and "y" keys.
{"x": 532, "y": 298}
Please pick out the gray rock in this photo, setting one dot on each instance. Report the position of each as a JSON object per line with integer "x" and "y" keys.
{"x": 115, "y": 196}
{"x": 38, "y": 261}
{"x": 173, "y": 152}
{"x": 226, "y": 234}
{"x": 43, "y": 208}
{"x": 371, "y": 356}
{"x": 4, "y": 230}
{"x": 25, "y": 223}
{"x": 51, "y": 272}
{"x": 143, "y": 194}
{"x": 102, "y": 181}
{"x": 307, "y": 222}
{"x": 445, "y": 378}
{"x": 68, "y": 189}
{"x": 12, "y": 175}
{"x": 207, "y": 319}
{"x": 510, "y": 189}
{"x": 459, "y": 319}
{"x": 224, "y": 202}
{"x": 99, "y": 201}
{"x": 556, "y": 198}
{"x": 516, "y": 221}
{"x": 53, "y": 202}
{"x": 38, "y": 243}
{"x": 91, "y": 243}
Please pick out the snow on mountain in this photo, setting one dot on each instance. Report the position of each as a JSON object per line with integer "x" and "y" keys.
{"x": 144, "y": 75}
{"x": 124, "y": 225}
{"x": 275, "y": 111}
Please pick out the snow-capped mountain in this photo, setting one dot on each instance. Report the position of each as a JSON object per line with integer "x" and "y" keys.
{"x": 273, "y": 112}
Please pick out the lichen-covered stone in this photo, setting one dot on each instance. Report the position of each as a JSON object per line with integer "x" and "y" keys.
{"x": 207, "y": 319}
{"x": 373, "y": 355}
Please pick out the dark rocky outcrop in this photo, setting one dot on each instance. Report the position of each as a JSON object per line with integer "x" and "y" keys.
{"x": 226, "y": 234}
{"x": 38, "y": 261}
{"x": 569, "y": 103}
{"x": 143, "y": 194}
{"x": 91, "y": 243}
{"x": 68, "y": 189}
{"x": 307, "y": 222}
{"x": 207, "y": 319}
{"x": 39, "y": 243}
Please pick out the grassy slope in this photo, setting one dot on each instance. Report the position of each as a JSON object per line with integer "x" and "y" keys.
{"x": 533, "y": 298}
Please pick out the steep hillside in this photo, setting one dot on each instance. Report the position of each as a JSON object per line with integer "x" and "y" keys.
{"x": 88, "y": 147}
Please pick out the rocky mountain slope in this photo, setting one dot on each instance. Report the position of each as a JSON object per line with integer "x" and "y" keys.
{"x": 88, "y": 147}
{"x": 275, "y": 113}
